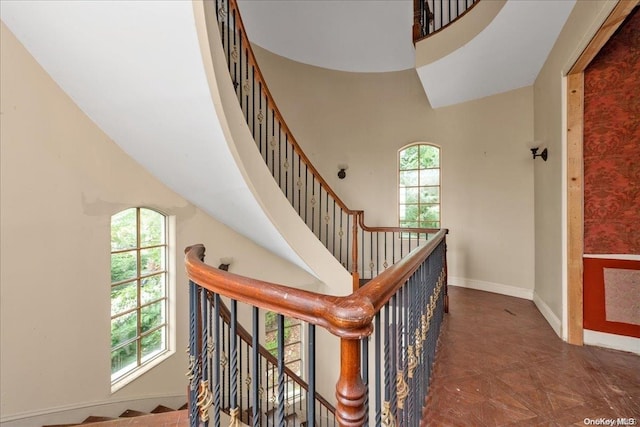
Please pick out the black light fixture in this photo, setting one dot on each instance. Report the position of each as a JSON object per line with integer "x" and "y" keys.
{"x": 342, "y": 171}
{"x": 225, "y": 263}
{"x": 544, "y": 153}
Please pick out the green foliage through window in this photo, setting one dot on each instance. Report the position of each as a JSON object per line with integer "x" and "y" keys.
{"x": 138, "y": 288}
{"x": 419, "y": 186}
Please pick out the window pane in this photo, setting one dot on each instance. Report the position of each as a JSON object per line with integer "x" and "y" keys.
{"x": 125, "y": 358}
{"x": 430, "y": 195}
{"x": 124, "y": 266}
{"x": 430, "y": 213}
{"x": 430, "y": 224}
{"x": 411, "y": 195}
{"x": 409, "y": 158}
{"x": 409, "y": 224}
{"x": 123, "y": 328}
{"x": 123, "y": 230}
{"x": 124, "y": 297}
{"x": 151, "y": 228}
{"x": 429, "y": 156}
{"x": 152, "y": 316}
{"x": 152, "y": 260}
{"x": 430, "y": 177}
{"x": 410, "y": 213}
{"x": 295, "y": 367}
{"x": 152, "y": 288}
{"x": 153, "y": 343}
{"x": 408, "y": 178}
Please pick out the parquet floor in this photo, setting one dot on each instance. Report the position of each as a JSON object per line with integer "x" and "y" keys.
{"x": 499, "y": 363}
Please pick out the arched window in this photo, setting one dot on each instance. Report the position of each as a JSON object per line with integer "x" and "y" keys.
{"x": 419, "y": 186}
{"x": 139, "y": 327}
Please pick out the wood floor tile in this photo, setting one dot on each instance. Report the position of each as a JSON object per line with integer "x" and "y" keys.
{"x": 499, "y": 363}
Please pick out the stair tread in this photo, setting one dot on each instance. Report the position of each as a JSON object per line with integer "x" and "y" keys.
{"x": 95, "y": 419}
{"x": 161, "y": 409}
{"x": 132, "y": 413}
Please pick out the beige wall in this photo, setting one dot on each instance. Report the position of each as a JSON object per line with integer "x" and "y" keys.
{"x": 62, "y": 178}
{"x": 549, "y": 129}
{"x": 363, "y": 119}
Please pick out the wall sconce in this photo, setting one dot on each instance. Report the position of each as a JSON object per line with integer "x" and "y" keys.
{"x": 544, "y": 153}
{"x": 342, "y": 171}
{"x": 225, "y": 263}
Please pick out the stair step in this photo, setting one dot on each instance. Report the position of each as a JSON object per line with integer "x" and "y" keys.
{"x": 94, "y": 419}
{"x": 185, "y": 406}
{"x": 129, "y": 413}
{"x": 161, "y": 409}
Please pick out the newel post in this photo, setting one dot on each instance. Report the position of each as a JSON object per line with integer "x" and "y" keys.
{"x": 350, "y": 390}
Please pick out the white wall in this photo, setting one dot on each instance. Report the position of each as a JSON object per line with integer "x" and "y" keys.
{"x": 362, "y": 119}
{"x": 61, "y": 180}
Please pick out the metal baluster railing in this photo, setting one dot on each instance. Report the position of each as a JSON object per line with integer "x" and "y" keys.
{"x": 431, "y": 16}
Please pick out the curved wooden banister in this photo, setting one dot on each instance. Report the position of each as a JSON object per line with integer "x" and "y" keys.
{"x": 394, "y": 229}
{"x": 233, "y": 6}
{"x": 246, "y": 337}
{"x": 346, "y": 317}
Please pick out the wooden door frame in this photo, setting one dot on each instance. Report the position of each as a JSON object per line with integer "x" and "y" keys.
{"x": 575, "y": 162}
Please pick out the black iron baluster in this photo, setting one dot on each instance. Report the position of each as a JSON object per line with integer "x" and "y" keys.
{"x": 311, "y": 376}
{"x": 365, "y": 376}
{"x": 281, "y": 409}
{"x": 217, "y": 396}
{"x": 377, "y": 346}
{"x": 255, "y": 384}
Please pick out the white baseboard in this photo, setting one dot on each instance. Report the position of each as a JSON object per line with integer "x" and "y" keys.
{"x": 616, "y": 342}
{"x": 548, "y": 314}
{"x": 496, "y": 288}
{"x": 78, "y": 412}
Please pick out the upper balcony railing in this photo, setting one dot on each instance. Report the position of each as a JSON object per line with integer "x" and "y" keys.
{"x": 364, "y": 251}
{"x": 431, "y": 16}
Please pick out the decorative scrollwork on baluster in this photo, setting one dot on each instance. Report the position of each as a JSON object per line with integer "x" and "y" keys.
{"x": 234, "y": 415}
{"x": 327, "y": 218}
{"x": 211, "y": 346}
{"x": 224, "y": 360}
{"x": 234, "y": 54}
{"x": 204, "y": 401}
{"x": 340, "y": 233}
{"x": 191, "y": 372}
{"x": 246, "y": 86}
{"x": 222, "y": 13}
{"x": 412, "y": 362}
{"x": 286, "y": 164}
{"x": 299, "y": 183}
{"x": 402, "y": 388}
{"x": 247, "y": 381}
{"x": 260, "y": 117}
{"x": 387, "y": 417}
{"x": 371, "y": 266}
{"x": 272, "y": 143}
{"x": 425, "y": 326}
{"x": 418, "y": 342}
{"x": 385, "y": 264}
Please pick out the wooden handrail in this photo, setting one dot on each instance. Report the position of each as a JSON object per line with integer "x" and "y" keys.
{"x": 233, "y": 6}
{"x": 346, "y": 317}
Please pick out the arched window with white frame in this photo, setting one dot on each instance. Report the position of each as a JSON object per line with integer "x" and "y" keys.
{"x": 419, "y": 186}
{"x": 139, "y": 290}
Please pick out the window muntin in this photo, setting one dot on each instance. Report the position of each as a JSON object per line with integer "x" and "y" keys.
{"x": 139, "y": 327}
{"x": 419, "y": 186}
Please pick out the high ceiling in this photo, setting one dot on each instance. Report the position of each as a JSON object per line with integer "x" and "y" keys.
{"x": 346, "y": 35}
{"x": 375, "y": 36}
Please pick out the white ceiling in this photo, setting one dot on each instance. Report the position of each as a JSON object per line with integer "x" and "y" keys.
{"x": 346, "y": 35}
{"x": 508, "y": 54}
{"x": 135, "y": 68}
{"x": 375, "y": 36}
